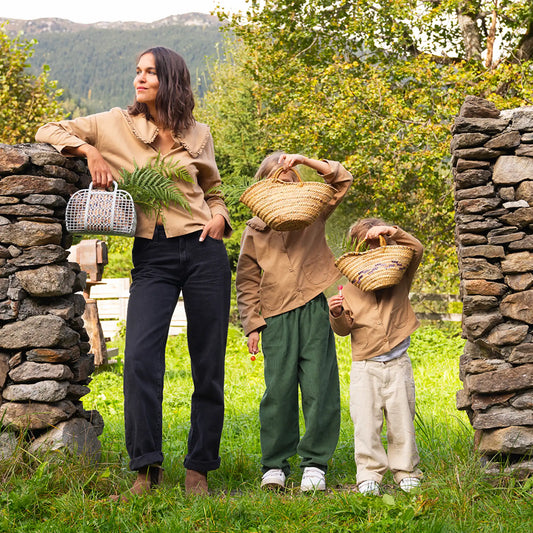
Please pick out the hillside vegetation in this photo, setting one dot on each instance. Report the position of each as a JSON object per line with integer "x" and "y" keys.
{"x": 95, "y": 64}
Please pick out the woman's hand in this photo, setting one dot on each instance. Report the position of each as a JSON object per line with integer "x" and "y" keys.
{"x": 291, "y": 160}
{"x": 335, "y": 305}
{"x": 214, "y": 228}
{"x": 253, "y": 342}
{"x": 98, "y": 168}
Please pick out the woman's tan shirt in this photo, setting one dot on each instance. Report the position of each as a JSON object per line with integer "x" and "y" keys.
{"x": 281, "y": 270}
{"x": 379, "y": 320}
{"x": 124, "y": 140}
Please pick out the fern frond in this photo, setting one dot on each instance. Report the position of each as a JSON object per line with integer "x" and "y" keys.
{"x": 152, "y": 186}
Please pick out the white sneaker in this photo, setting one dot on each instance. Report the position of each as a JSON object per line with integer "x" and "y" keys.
{"x": 407, "y": 484}
{"x": 369, "y": 488}
{"x": 313, "y": 479}
{"x": 273, "y": 479}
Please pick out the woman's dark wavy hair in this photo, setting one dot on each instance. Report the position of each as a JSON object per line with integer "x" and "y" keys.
{"x": 175, "y": 100}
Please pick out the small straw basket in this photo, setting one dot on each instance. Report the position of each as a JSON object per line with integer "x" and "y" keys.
{"x": 287, "y": 206}
{"x": 378, "y": 268}
{"x": 101, "y": 212}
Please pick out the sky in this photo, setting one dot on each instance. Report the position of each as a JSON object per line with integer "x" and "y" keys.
{"x": 111, "y": 10}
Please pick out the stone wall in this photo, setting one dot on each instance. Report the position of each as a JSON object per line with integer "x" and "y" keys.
{"x": 492, "y": 156}
{"x": 45, "y": 364}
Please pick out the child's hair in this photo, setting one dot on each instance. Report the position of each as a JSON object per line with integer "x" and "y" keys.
{"x": 357, "y": 231}
{"x": 269, "y": 165}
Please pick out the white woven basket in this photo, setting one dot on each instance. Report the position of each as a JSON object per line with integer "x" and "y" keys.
{"x": 101, "y": 212}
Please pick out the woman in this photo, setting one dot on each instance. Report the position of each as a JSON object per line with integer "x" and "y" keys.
{"x": 172, "y": 252}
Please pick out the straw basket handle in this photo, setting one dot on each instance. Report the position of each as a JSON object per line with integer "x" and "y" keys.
{"x": 382, "y": 243}
{"x": 279, "y": 170}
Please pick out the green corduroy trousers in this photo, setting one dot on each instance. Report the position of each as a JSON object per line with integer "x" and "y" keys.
{"x": 299, "y": 351}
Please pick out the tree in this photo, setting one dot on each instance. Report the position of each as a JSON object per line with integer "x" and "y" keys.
{"x": 376, "y": 84}
{"x": 26, "y": 101}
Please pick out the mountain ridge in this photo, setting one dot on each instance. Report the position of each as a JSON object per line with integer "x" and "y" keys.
{"x": 59, "y": 25}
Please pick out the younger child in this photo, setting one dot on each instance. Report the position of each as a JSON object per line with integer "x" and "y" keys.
{"x": 381, "y": 382}
{"x": 280, "y": 279}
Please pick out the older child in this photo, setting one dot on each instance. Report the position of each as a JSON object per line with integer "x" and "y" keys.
{"x": 381, "y": 383}
{"x": 280, "y": 279}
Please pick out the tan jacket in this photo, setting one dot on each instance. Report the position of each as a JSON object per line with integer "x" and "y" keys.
{"x": 281, "y": 270}
{"x": 124, "y": 140}
{"x": 380, "y": 320}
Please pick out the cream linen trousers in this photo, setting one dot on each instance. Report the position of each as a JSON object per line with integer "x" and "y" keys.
{"x": 378, "y": 391}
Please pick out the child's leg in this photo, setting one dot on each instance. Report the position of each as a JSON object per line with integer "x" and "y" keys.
{"x": 399, "y": 414}
{"x": 319, "y": 383}
{"x": 278, "y": 411}
{"x": 366, "y": 405}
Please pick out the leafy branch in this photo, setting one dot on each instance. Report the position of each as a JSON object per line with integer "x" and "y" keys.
{"x": 152, "y": 186}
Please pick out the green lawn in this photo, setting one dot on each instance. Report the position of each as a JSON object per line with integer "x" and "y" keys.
{"x": 60, "y": 494}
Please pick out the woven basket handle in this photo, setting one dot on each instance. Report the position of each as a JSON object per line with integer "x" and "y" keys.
{"x": 382, "y": 243}
{"x": 279, "y": 170}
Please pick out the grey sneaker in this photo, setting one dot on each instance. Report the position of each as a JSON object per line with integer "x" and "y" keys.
{"x": 369, "y": 488}
{"x": 407, "y": 484}
{"x": 273, "y": 479}
{"x": 313, "y": 479}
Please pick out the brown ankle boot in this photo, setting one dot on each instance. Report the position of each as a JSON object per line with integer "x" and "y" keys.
{"x": 147, "y": 478}
{"x": 196, "y": 483}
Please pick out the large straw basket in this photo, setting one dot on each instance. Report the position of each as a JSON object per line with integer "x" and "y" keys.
{"x": 378, "y": 268}
{"x": 286, "y": 206}
{"x": 101, "y": 212}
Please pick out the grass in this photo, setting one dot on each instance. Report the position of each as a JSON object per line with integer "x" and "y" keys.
{"x": 58, "y": 493}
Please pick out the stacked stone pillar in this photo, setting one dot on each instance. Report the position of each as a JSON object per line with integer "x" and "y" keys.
{"x": 45, "y": 364}
{"x": 492, "y": 156}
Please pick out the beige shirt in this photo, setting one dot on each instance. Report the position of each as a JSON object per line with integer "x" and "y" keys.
{"x": 379, "y": 320}
{"x": 281, "y": 270}
{"x": 123, "y": 140}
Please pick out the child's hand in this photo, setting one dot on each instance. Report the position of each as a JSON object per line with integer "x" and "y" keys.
{"x": 375, "y": 231}
{"x": 253, "y": 342}
{"x": 335, "y": 305}
{"x": 291, "y": 160}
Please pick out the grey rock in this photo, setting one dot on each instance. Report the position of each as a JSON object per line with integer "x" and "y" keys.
{"x": 35, "y": 415}
{"x": 474, "y": 106}
{"x": 25, "y": 210}
{"x": 8, "y": 444}
{"x": 473, "y": 304}
{"x": 510, "y": 170}
{"x": 508, "y": 333}
{"x": 502, "y": 417}
{"x": 40, "y": 255}
{"x": 463, "y": 164}
{"x": 471, "y": 239}
{"x": 504, "y": 141}
{"x": 468, "y": 140}
{"x": 30, "y": 372}
{"x": 490, "y": 126}
{"x": 522, "y": 354}
{"x": 525, "y": 192}
{"x": 12, "y": 160}
{"x": 483, "y": 288}
{"x": 525, "y": 243}
{"x": 477, "y": 205}
{"x": 483, "y": 191}
{"x": 519, "y": 282}
{"x": 523, "y": 401}
{"x": 478, "y": 324}
{"x": 473, "y": 268}
{"x": 523, "y": 120}
{"x": 49, "y": 200}
{"x": 23, "y": 185}
{"x": 28, "y": 233}
{"x": 39, "y": 331}
{"x": 507, "y": 194}
{"x": 488, "y": 251}
{"x": 472, "y": 178}
{"x": 4, "y": 368}
{"x": 76, "y": 435}
{"x": 47, "y": 281}
{"x": 518, "y": 306}
{"x": 517, "y": 263}
{"x": 42, "y": 391}
{"x": 480, "y": 152}
{"x": 509, "y": 440}
{"x": 525, "y": 150}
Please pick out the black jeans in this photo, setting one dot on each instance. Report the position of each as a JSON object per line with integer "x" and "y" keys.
{"x": 162, "y": 269}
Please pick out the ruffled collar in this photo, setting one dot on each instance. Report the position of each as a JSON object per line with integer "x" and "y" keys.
{"x": 192, "y": 139}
